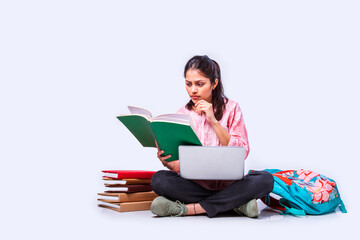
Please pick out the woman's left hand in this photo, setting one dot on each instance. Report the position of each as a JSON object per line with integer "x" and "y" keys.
{"x": 204, "y": 107}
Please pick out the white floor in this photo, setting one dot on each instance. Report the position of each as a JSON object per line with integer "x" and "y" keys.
{"x": 58, "y": 207}
{"x": 87, "y": 221}
{"x": 269, "y": 225}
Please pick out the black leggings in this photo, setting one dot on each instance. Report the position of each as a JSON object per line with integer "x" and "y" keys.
{"x": 253, "y": 186}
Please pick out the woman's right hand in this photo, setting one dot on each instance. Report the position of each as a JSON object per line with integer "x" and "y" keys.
{"x": 173, "y": 165}
{"x": 162, "y": 158}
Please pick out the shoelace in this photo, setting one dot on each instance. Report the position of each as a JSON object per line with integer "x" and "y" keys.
{"x": 242, "y": 209}
{"x": 176, "y": 207}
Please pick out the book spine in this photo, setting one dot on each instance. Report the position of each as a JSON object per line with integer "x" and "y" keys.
{"x": 131, "y": 188}
{"x": 127, "y": 197}
{"x": 135, "y": 197}
{"x": 124, "y": 175}
{"x": 135, "y": 206}
{"x": 129, "y": 181}
{"x": 128, "y": 206}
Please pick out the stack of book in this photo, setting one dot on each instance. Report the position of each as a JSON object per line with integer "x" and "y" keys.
{"x": 127, "y": 190}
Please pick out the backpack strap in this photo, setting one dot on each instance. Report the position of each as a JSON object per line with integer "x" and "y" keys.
{"x": 342, "y": 207}
{"x": 272, "y": 202}
{"x": 290, "y": 210}
{"x": 280, "y": 205}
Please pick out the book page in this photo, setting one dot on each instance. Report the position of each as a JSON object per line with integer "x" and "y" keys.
{"x": 112, "y": 205}
{"x": 114, "y": 189}
{"x": 139, "y": 111}
{"x": 174, "y": 117}
{"x": 110, "y": 198}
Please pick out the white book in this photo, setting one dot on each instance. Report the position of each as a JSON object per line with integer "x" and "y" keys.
{"x": 170, "y": 117}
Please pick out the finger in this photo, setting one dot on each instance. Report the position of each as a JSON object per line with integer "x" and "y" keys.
{"x": 201, "y": 109}
{"x": 202, "y": 102}
{"x": 157, "y": 146}
{"x": 199, "y": 102}
{"x": 204, "y": 109}
{"x": 165, "y": 163}
{"x": 198, "y": 108}
{"x": 165, "y": 157}
{"x": 159, "y": 153}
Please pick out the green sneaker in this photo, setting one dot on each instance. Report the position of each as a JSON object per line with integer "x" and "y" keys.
{"x": 249, "y": 209}
{"x": 162, "y": 207}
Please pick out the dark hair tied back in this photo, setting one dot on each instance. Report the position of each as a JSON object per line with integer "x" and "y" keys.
{"x": 209, "y": 69}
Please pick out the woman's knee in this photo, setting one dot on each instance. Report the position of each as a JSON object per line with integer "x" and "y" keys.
{"x": 160, "y": 181}
{"x": 264, "y": 180}
{"x": 267, "y": 181}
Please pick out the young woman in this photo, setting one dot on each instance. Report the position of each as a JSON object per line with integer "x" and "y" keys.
{"x": 218, "y": 121}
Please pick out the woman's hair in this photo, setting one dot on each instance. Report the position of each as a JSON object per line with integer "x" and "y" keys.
{"x": 209, "y": 69}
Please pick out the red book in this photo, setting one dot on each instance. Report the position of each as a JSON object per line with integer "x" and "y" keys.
{"x": 121, "y": 174}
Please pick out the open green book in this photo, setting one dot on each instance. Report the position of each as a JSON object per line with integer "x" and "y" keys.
{"x": 168, "y": 130}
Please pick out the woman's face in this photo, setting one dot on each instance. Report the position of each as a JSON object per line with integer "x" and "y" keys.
{"x": 198, "y": 86}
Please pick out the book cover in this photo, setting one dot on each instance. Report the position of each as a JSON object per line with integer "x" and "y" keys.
{"x": 127, "y": 197}
{"x": 140, "y": 127}
{"x": 122, "y": 174}
{"x": 170, "y": 136}
{"x": 168, "y": 130}
{"x": 127, "y": 206}
{"x": 127, "y": 188}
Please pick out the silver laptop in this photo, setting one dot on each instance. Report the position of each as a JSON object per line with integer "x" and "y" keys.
{"x": 211, "y": 163}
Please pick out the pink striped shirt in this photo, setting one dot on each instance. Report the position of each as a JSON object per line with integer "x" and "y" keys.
{"x": 233, "y": 122}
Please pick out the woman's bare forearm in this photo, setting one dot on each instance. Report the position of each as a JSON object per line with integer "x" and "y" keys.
{"x": 221, "y": 133}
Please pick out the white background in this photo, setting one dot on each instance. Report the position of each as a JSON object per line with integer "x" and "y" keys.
{"x": 67, "y": 68}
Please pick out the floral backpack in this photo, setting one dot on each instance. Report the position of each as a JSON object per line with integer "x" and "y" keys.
{"x": 303, "y": 192}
